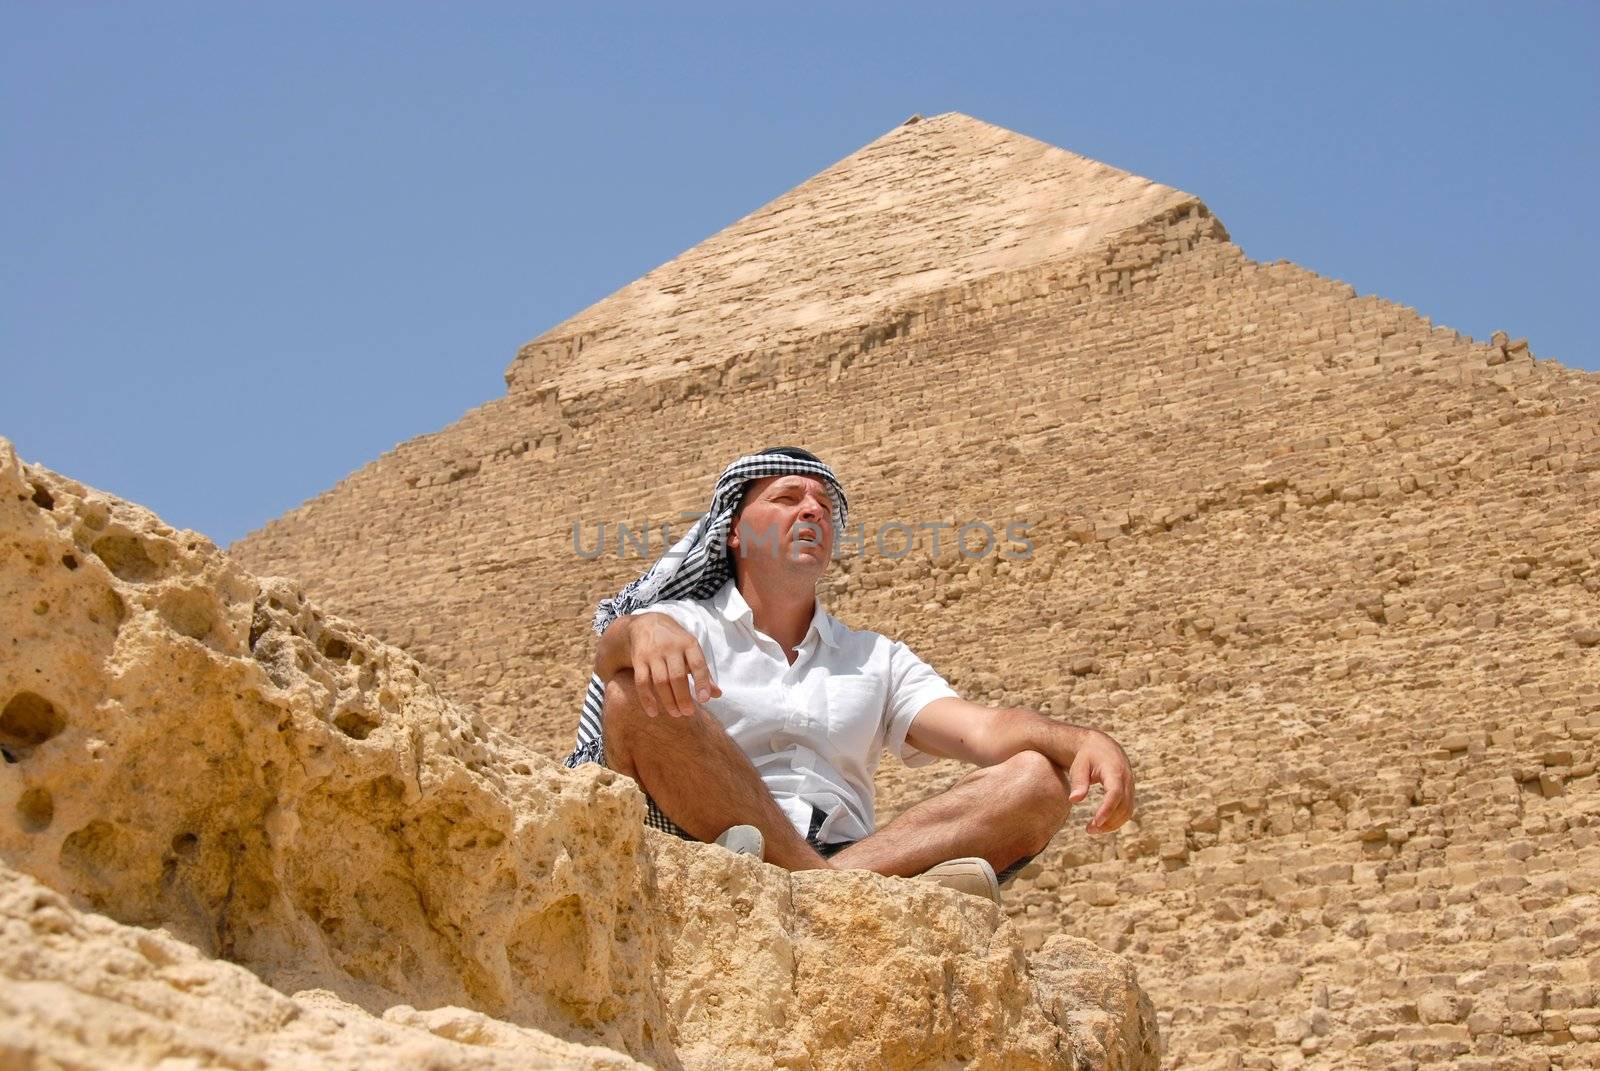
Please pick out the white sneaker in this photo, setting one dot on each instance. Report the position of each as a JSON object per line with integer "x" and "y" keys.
{"x": 972, "y": 875}
{"x": 743, "y": 840}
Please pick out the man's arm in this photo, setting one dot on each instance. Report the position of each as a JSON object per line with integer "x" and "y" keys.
{"x": 662, "y": 654}
{"x": 953, "y": 728}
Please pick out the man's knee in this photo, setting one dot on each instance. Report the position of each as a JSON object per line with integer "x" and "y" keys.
{"x": 1039, "y": 792}
{"x": 620, "y": 715}
{"x": 627, "y": 725}
{"x": 621, "y": 695}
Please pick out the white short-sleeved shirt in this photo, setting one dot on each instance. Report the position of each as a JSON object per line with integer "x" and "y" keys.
{"x": 814, "y": 729}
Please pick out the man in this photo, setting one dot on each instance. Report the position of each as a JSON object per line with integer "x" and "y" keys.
{"x": 731, "y": 696}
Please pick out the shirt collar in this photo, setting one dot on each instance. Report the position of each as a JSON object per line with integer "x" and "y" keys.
{"x": 729, "y": 602}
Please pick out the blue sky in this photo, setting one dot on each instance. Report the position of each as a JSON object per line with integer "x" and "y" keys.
{"x": 249, "y": 247}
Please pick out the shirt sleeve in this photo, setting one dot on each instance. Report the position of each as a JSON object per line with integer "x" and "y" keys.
{"x": 913, "y": 684}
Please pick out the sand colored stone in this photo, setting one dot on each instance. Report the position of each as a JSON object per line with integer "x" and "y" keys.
{"x": 1330, "y": 571}
{"x": 236, "y": 831}
{"x": 926, "y": 207}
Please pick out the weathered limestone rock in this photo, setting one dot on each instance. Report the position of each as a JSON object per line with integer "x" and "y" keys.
{"x": 237, "y": 778}
{"x": 79, "y": 990}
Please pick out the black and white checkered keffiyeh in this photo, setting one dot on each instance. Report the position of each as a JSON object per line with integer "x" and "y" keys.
{"x": 697, "y": 565}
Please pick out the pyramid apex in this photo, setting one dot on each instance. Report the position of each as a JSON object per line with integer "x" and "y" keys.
{"x": 934, "y": 203}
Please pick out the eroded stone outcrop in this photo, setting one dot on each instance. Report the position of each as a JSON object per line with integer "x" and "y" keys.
{"x": 327, "y": 845}
{"x": 79, "y": 990}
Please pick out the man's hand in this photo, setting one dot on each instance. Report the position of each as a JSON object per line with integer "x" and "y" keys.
{"x": 662, "y": 654}
{"x": 1101, "y": 760}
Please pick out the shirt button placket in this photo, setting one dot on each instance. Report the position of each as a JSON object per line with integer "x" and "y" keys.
{"x": 794, "y": 720}
{"x": 814, "y": 723}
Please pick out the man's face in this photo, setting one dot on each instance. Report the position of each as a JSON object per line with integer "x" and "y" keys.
{"x": 786, "y": 519}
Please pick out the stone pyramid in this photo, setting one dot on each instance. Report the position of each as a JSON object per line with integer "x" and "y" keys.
{"x": 1329, "y": 571}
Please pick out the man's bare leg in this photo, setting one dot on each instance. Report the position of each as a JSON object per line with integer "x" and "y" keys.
{"x": 1002, "y": 813}
{"x": 697, "y": 775}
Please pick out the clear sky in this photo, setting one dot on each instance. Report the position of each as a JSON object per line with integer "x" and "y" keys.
{"x": 249, "y": 247}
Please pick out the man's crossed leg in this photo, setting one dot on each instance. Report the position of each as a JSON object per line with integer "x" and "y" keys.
{"x": 701, "y": 779}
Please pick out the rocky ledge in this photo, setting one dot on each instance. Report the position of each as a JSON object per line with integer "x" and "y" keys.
{"x": 238, "y": 832}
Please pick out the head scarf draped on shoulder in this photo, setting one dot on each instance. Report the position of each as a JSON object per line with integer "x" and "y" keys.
{"x": 698, "y": 565}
